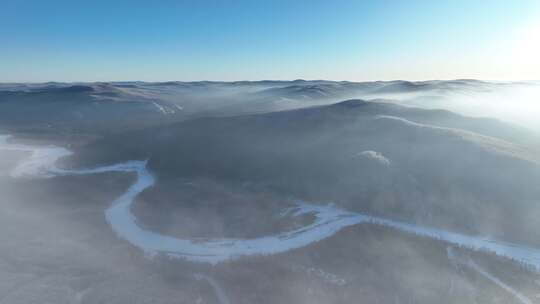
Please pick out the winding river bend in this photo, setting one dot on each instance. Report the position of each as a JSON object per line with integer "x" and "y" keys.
{"x": 328, "y": 219}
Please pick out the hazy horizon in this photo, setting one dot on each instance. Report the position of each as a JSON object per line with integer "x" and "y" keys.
{"x": 277, "y": 80}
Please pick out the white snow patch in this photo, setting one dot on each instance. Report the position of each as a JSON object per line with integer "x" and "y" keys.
{"x": 41, "y": 162}
{"x": 325, "y": 276}
{"x": 376, "y": 156}
{"x": 163, "y": 109}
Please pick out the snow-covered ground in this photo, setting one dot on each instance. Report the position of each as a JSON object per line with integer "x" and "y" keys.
{"x": 327, "y": 277}
{"x": 328, "y": 219}
{"x": 41, "y": 161}
{"x": 489, "y": 143}
{"x": 218, "y": 290}
{"x": 468, "y": 262}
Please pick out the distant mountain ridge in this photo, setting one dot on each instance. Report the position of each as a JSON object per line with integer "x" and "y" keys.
{"x": 104, "y": 107}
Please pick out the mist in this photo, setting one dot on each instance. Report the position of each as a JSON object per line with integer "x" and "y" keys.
{"x": 269, "y": 192}
{"x": 517, "y": 103}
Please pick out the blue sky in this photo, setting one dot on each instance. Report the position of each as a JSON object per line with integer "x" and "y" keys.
{"x": 249, "y": 40}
